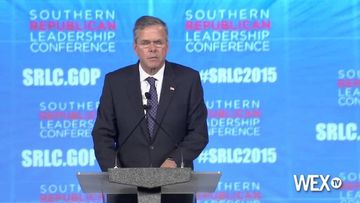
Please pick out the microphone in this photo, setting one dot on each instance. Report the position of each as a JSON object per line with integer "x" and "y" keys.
{"x": 147, "y": 95}
{"x": 127, "y": 137}
{"x": 147, "y": 107}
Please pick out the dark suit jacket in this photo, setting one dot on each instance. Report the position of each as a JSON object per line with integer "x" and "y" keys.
{"x": 181, "y": 113}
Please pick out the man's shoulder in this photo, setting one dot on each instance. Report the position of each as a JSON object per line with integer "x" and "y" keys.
{"x": 182, "y": 69}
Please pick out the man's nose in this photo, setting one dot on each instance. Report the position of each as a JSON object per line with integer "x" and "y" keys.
{"x": 152, "y": 47}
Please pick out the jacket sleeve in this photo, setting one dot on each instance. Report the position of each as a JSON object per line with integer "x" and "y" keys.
{"x": 105, "y": 132}
{"x": 196, "y": 137}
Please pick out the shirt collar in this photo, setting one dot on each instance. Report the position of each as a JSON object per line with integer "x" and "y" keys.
{"x": 158, "y": 76}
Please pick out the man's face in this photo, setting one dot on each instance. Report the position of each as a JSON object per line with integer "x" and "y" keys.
{"x": 151, "y": 47}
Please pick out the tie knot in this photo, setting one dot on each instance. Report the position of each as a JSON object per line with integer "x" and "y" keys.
{"x": 151, "y": 81}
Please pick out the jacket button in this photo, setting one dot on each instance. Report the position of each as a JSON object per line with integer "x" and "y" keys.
{"x": 152, "y": 147}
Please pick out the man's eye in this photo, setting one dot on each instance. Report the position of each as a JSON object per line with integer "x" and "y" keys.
{"x": 145, "y": 43}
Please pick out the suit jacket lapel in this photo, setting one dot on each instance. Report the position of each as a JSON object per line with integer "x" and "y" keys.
{"x": 134, "y": 94}
{"x": 167, "y": 92}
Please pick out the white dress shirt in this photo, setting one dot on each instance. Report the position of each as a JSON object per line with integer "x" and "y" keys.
{"x": 145, "y": 86}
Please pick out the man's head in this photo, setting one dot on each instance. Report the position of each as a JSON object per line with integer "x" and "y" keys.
{"x": 150, "y": 43}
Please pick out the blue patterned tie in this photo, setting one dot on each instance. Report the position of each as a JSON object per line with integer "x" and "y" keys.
{"x": 153, "y": 103}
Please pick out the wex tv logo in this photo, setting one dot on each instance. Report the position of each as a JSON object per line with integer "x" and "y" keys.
{"x": 316, "y": 183}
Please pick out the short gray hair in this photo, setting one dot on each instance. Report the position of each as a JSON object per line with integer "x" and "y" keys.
{"x": 145, "y": 21}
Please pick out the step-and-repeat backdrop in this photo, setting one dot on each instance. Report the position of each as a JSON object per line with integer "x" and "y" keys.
{"x": 281, "y": 81}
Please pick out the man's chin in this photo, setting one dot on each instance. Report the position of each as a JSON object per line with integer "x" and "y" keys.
{"x": 154, "y": 65}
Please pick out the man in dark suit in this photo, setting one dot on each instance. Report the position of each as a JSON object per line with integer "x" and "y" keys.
{"x": 172, "y": 96}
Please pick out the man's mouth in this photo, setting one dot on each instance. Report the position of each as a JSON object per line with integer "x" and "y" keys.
{"x": 153, "y": 58}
